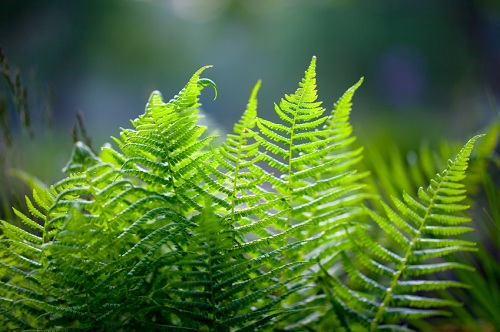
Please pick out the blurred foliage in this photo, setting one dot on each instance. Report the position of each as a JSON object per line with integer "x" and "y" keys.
{"x": 19, "y": 95}
{"x": 25, "y": 148}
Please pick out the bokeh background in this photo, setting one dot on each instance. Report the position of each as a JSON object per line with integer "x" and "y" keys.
{"x": 431, "y": 68}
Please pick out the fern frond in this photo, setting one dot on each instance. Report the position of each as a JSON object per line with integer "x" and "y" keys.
{"x": 311, "y": 154}
{"x": 21, "y": 254}
{"x": 299, "y": 110}
{"x": 166, "y": 149}
{"x": 312, "y": 166}
{"x": 388, "y": 276}
{"x": 213, "y": 285}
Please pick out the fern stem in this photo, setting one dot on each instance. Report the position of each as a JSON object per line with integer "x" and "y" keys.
{"x": 290, "y": 158}
{"x": 236, "y": 173}
{"x": 171, "y": 174}
{"x": 45, "y": 230}
{"x": 102, "y": 209}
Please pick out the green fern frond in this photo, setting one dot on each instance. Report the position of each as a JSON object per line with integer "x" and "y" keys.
{"x": 68, "y": 262}
{"x": 301, "y": 113}
{"x": 389, "y": 276}
{"x": 166, "y": 149}
{"x": 237, "y": 178}
{"x": 21, "y": 253}
{"x": 214, "y": 287}
{"x": 311, "y": 155}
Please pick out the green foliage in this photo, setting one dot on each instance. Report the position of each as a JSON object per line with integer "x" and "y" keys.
{"x": 267, "y": 231}
{"x": 482, "y": 297}
{"x": 422, "y": 230}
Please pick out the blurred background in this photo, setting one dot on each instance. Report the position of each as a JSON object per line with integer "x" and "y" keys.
{"x": 431, "y": 68}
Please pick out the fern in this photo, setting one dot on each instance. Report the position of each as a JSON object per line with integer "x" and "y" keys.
{"x": 236, "y": 174}
{"x": 422, "y": 231}
{"x": 337, "y": 191}
{"x": 214, "y": 287}
{"x": 311, "y": 157}
{"x": 166, "y": 149}
{"x": 169, "y": 232}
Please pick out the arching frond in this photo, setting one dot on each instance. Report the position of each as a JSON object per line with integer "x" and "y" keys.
{"x": 390, "y": 280}
{"x": 166, "y": 149}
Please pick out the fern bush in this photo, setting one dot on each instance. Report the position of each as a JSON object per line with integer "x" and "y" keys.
{"x": 268, "y": 231}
